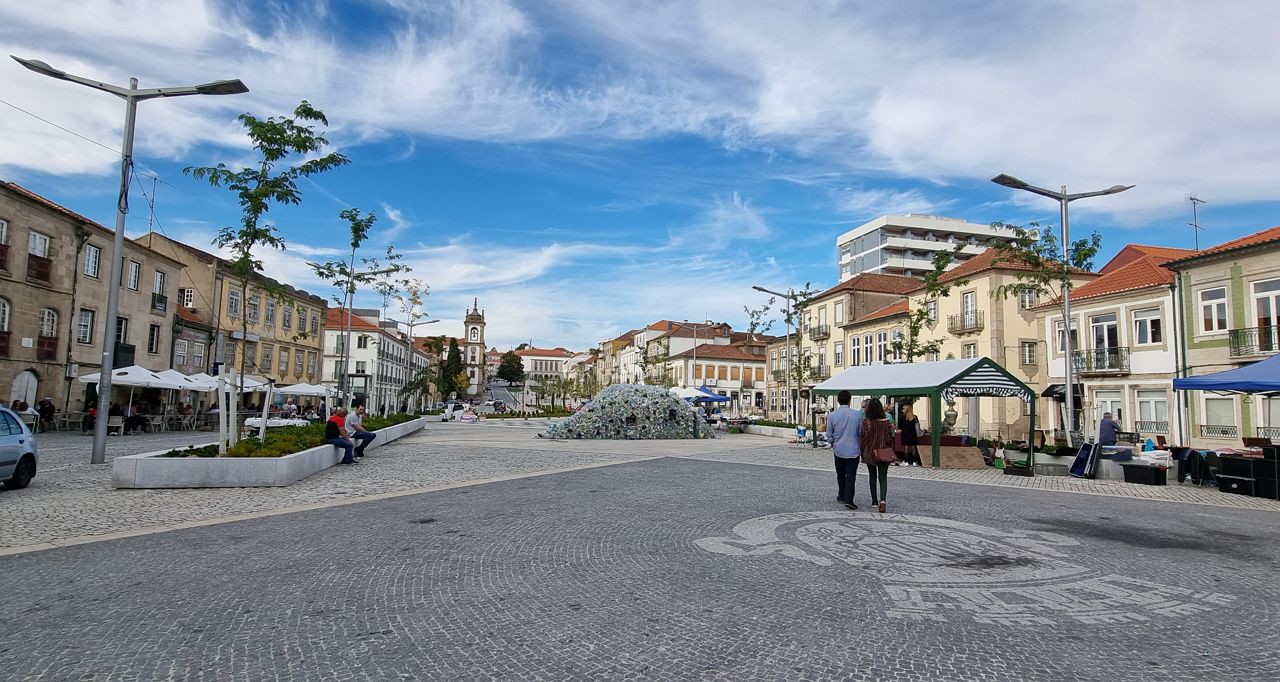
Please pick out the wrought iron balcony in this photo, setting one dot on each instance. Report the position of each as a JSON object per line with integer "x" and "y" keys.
{"x": 1219, "y": 431}
{"x": 819, "y": 331}
{"x": 159, "y": 302}
{"x": 1254, "y": 341}
{"x": 1272, "y": 432}
{"x": 779, "y": 375}
{"x": 1113, "y": 360}
{"x": 1161, "y": 428}
{"x": 965, "y": 323}
{"x": 820, "y": 373}
{"x": 38, "y": 268}
{"x": 124, "y": 354}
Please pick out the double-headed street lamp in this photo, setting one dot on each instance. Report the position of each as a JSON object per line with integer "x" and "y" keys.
{"x": 1063, "y": 199}
{"x": 791, "y": 298}
{"x": 131, "y": 95}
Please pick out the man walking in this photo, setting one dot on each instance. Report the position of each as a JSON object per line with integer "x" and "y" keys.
{"x": 842, "y": 431}
{"x": 335, "y": 433}
{"x": 355, "y": 427}
{"x": 1108, "y": 430}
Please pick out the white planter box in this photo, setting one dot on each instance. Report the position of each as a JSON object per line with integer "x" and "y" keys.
{"x": 773, "y": 431}
{"x": 150, "y": 470}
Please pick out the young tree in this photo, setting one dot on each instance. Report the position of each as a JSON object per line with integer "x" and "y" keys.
{"x": 449, "y": 373}
{"x": 273, "y": 180}
{"x": 511, "y": 368}
{"x": 419, "y": 384}
{"x": 1047, "y": 275}
{"x": 910, "y": 346}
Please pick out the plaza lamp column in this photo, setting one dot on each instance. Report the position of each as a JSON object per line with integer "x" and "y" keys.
{"x": 412, "y": 343}
{"x": 790, "y": 297}
{"x": 1064, "y": 199}
{"x": 131, "y": 95}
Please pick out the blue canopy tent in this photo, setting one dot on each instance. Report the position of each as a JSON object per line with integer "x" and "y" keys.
{"x": 711, "y": 396}
{"x": 1260, "y": 377}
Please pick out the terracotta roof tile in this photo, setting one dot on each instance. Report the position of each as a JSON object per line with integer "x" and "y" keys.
{"x": 545, "y": 352}
{"x": 875, "y": 282}
{"x": 1266, "y": 236}
{"x": 336, "y": 319}
{"x": 991, "y": 259}
{"x": 897, "y": 308}
{"x": 189, "y": 315}
{"x": 1132, "y": 252}
{"x": 718, "y": 351}
{"x": 1142, "y": 273}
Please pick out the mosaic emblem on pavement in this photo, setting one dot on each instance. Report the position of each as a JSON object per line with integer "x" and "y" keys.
{"x": 932, "y": 569}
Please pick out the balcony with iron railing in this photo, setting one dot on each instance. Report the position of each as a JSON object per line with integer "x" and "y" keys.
{"x": 1097, "y": 361}
{"x": 965, "y": 323}
{"x": 1219, "y": 431}
{"x": 1161, "y": 428}
{"x": 820, "y": 373}
{"x": 1254, "y": 341}
{"x": 819, "y": 331}
{"x": 38, "y": 268}
{"x": 159, "y": 302}
{"x": 1272, "y": 432}
{"x": 779, "y": 375}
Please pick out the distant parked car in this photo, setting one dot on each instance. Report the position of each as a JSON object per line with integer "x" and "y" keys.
{"x": 17, "y": 451}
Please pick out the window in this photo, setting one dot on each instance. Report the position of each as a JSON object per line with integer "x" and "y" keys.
{"x": 1220, "y": 411}
{"x": 931, "y": 309}
{"x": 229, "y": 351}
{"x": 931, "y": 357}
{"x": 268, "y": 353}
{"x": 882, "y": 346}
{"x": 180, "y": 352}
{"x": 362, "y": 341}
{"x": 839, "y": 312}
{"x": 286, "y": 317}
{"x": 1147, "y": 326}
{"x": 1028, "y": 299}
{"x": 187, "y": 297}
{"x": 271, "y": 312}
{"x": 315, "y": 323}
{"x": 1061, "y": 341}
{"x": 311, "y": 363}
{"x": 1213, "y": 310}
{"x": 1027, "y": 352}
{"x": 122, "y": 330}
{"x": 899, "y": 343}
{"x": 48, "y": 322}
{"x": 233, "y": 302}
{"x": 838, "y": 349}
{"x": 970, "y": 351}
{"x": 133, "y": 275}
{"x": 252, "y": 309}
{"x": 969, "y": 309}
{"x": 284, "y": 361}
{"x": 360, "y": 367}
{"x": 157, "y": 283}
{"x": 92, "y": 260}
{"x": 84, "y": 326}
{"x": 153, "y": 339}
{"x": 302, "y": 319}
{"x": 38, "y": 244}
{"x": 855, "y": 351}
{"x": 4, "y": 232}
{"x": 251, "y": 355}
{"x": 197, "y": 354}
{"x": 1153, "y": 406}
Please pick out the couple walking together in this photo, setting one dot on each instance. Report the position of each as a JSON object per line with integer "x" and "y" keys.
{"x": 857, "y": 436}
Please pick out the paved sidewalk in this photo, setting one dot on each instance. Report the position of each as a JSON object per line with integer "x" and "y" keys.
{"x": 71, "y": 501}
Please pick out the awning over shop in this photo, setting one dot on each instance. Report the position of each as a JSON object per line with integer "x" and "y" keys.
{"x": 1260, "y": 377}
{"x": 1059, "y": 392}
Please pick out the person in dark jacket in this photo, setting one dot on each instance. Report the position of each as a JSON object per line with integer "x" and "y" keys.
{"x": 335, "y": 433}
{"x": 909, "y": 425}
{"x": 1108, "y": 430}
{"x": 876, "y": 432}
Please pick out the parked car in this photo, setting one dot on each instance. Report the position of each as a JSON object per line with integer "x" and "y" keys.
{"x": 17, "y": 451}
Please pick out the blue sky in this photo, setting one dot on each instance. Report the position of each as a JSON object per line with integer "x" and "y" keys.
{"x": 583, "y": 168}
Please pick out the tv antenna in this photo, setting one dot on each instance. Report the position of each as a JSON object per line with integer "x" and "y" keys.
{"x": 1195, "y": 218}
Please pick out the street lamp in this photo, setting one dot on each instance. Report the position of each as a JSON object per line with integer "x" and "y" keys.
{"x": 345, "y": 383}
{"x": 131, "y": 95}
{"x": 413, "y": 348}
{"x": 790, "y": 297}
{"x": 1063, "y": 199}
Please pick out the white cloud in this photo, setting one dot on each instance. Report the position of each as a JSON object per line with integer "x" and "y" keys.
{"x": 865, "y": 204}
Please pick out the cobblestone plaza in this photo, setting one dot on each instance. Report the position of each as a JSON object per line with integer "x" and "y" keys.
{"x": 480, "y": 553}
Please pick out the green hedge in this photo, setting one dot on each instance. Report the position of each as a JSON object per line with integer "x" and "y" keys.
{"x": 284, "y": 440}
{"x": 770, "y": 422}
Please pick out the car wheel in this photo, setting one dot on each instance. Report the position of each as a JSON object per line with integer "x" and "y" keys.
{"x": 22, "y": 474}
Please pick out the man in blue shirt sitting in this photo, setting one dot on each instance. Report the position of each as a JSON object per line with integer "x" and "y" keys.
{"x": 843, "y": 425}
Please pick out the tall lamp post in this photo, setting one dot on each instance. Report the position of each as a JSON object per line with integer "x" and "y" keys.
{"x": 131, "y": 95}
{"x": 1063, "y": 199}
{"x": 790, "y": 297}
{"x": 413, "y": 348}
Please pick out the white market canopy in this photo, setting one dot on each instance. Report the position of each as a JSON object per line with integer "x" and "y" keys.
{"x": 133, "y": 375}
{"x": 306, "y": 389}
{"x": 687, "y": 393}
{"x": 186, "y": 382}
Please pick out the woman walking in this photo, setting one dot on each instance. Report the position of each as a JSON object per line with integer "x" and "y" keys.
{"x": 877, "y": 450}
{"x": 909, "y": 425}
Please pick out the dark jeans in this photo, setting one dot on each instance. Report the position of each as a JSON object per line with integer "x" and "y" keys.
{"x": 365, "y": 438}
{"x": 345, "y": 445}
{"x": 883, "y": 470}
{"x": 846, "y": 475}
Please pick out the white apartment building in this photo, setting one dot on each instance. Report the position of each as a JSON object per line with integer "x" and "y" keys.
{"x": 382, "y": 359}
{"x": 904, "y": 245}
